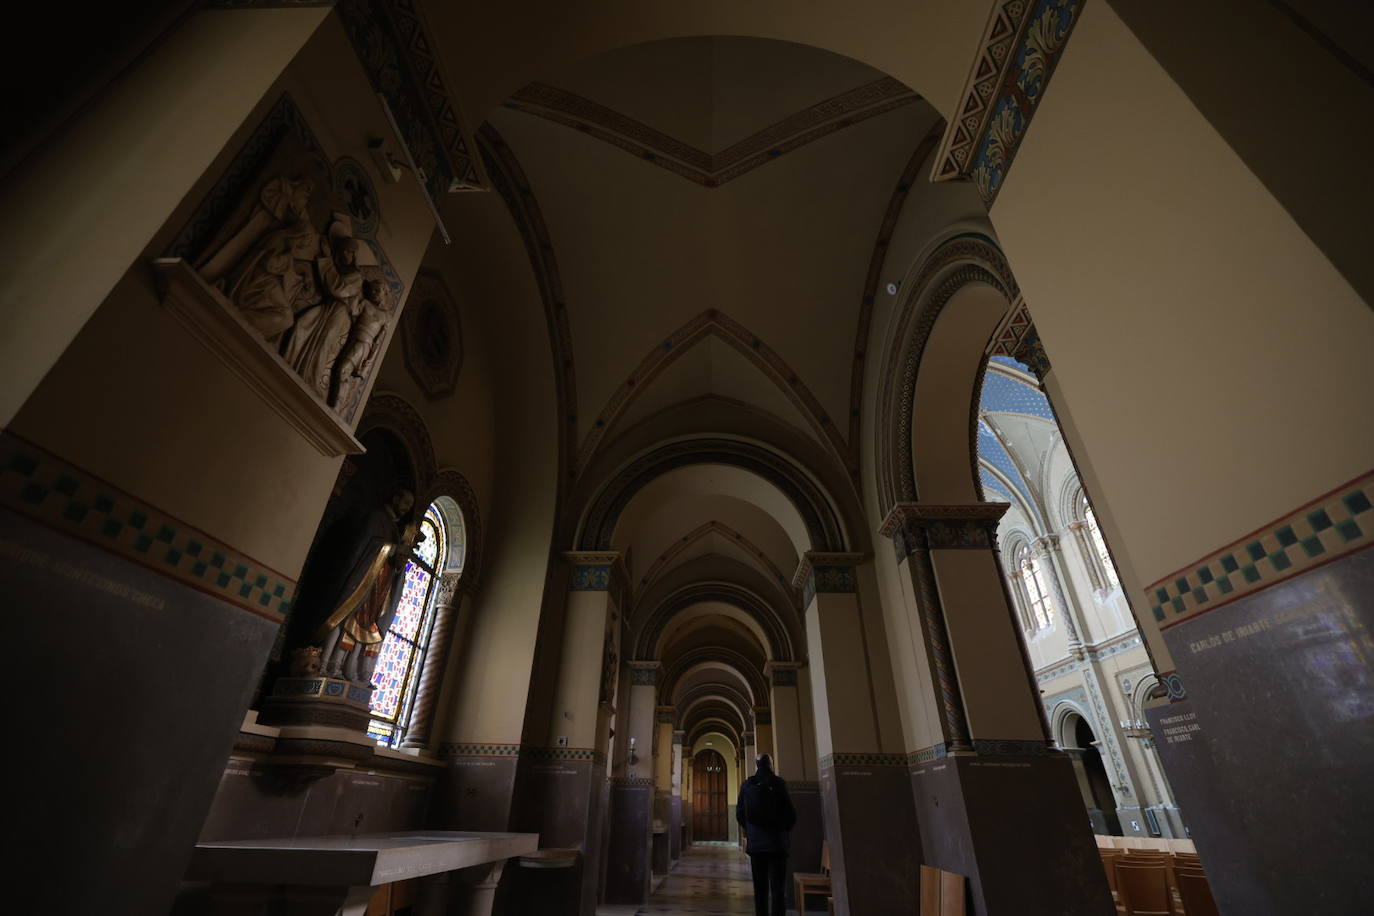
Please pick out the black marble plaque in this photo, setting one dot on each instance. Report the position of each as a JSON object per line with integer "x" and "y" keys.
{"x": 1272, "y": 753}
{"x": 138, "y": 687}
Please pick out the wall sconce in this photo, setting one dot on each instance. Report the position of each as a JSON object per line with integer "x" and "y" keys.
{"x": 633, "y": 758}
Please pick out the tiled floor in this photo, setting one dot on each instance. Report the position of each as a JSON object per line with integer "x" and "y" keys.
{"x": 707, "y": 880}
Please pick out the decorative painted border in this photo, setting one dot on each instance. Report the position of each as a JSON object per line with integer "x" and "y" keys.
{"x": 644, "y": 674}
{"x": 56, "y": 493}
{"x": 1111, "y": 648}
{"x": 1173, "y": 686}
{"x": 627, "y": 782}
{"x": 713, "y": 322}
{"x": 1021, "y": 46}
{"x": 327, "y": 688}
{"x": 398, "y": 52}
{"x": 563, "y": 753}
{"x": 450, "y": 750}
{"x": 952, "y": 265}
{"x": 829, "y": 761}
{"x": 707, "y": 169}
{"x": 783, "y": 677}
{"x": 1329, "y": 527}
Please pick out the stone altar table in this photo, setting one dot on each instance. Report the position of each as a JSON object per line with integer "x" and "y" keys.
{"x": 329, "y": 875}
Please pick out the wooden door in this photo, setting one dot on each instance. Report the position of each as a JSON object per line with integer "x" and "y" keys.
{"x": 709, "y": 807}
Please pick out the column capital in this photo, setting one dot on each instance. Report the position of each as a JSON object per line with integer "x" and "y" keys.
{"x": 782, "y": 674}
{"x": 644, "y": 673}
{"x": 942, "y": 526}
{"x": 596, "y": 571}
{"x": 826, "y": 573}
{"x": 448, "y": 589}
{"x": 763, "y": 715}
{"x": 748, "y": 737}
{"x": 1045, "y": 544}
{"x": 679, "y": 736}
{"x": 664, "y": 714}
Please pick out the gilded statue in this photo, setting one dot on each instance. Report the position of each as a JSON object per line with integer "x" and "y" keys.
{"x": 375, "y": 578}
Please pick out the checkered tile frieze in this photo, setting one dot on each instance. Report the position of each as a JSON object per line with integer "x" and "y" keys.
{"x": 563, "y": 753}
{"x": 1326, "y": 529}
{"x": 862, "y": 760}
{"x": 479, "y": 750}
{"x": 49, "y": 490}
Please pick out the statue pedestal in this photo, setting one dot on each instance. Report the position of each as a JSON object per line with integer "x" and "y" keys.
{"x": 216, "y": 323}
{"x": 321, "y": 700}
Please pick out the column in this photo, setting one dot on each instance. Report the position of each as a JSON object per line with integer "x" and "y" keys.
{"x": 676, "y": 836}
{"x": 663, "y": 788}
{"x": 447, "y": 599}
{"x": 750, "y": 755}
{"x": 989, "y": 763}
{"x": 794, "y": 759}
{"x": 1125, "y": 779}
{"x": 632, "y": 787}
{"x": 865, "y": 797}
{"x": 562, "y": 777}
{"x": 763, "y": 729}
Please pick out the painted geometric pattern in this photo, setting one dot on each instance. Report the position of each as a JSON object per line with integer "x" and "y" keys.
{"x": 1022, "y": 45}
{"x": 563, "y": 753}
{"x": 862, "y": 760}
{"x": 58, "y": 494}
{"x": 1329, "y": 527}
{"x": 479, "y": 750}
{"x": 591, "y": 578}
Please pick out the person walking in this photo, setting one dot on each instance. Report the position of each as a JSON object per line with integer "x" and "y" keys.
{"x": 766, "y": 816}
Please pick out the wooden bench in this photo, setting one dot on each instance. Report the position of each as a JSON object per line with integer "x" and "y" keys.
{"x": 816, "y": 884}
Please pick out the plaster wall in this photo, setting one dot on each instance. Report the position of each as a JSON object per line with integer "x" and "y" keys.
{"x": 101, "y": 186}
{"x": 1187, "y": 261}
{"x": 232, "y": 467}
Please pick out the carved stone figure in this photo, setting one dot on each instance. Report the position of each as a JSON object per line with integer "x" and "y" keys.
{"x": 371, "y": 589}
{"x": 320, "y": 299}
{"x": 321, "y": 331}
{"x": 305, "y": 662}
{"x": 364, "y": 342}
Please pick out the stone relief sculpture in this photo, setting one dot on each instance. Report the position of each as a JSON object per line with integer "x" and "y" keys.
{"x": 288, "y": 240}
{"x": 309, "y": 294}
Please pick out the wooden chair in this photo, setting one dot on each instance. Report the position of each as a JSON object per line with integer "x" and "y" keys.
{"x": 952, "y": 894}
{"x": 930, "y": 891}
{"x": 1196, "y": 894}
{"x": 942, "y": 892}
{"x": 1144, "y": 890}
{"x": 816, "y": 884}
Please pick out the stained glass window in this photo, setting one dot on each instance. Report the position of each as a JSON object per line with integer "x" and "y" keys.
{"x": 403, "y": 650}
{"x": 1099, "y": 545}
{"x": 1037, "y": 589}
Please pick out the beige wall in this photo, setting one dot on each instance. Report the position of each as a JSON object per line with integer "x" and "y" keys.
{"x": 1212, "y": 361}
{"x": 139, "y": 402}
{"x": 83, "y": 206}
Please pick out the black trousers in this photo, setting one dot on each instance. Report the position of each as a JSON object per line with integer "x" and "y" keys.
{"x": 770, "y": 874}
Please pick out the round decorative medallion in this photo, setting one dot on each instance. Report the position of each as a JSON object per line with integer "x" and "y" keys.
{"x": 432, "y": 336}
{"x": 354, "y": 188}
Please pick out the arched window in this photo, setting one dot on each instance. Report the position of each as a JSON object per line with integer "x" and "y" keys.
{"x": 1095, "y": 545}
{"x": 1036, "y": 588}
{"x": 403, "y": 650}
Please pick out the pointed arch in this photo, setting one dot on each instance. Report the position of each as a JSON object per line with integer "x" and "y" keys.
{"x": 823, "y": 527}
{"x": 713, "y": 322}
{"x": 780, "y": 646}
{"x": 701, "y": 531}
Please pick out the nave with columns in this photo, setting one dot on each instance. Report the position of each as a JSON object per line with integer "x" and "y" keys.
{"x": 443, "y": 444}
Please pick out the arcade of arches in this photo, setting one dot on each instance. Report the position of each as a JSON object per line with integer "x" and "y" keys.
{"x": 514, "y": 418}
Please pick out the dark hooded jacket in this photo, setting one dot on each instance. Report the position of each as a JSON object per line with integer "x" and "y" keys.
{"x": 765, "y": 813}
